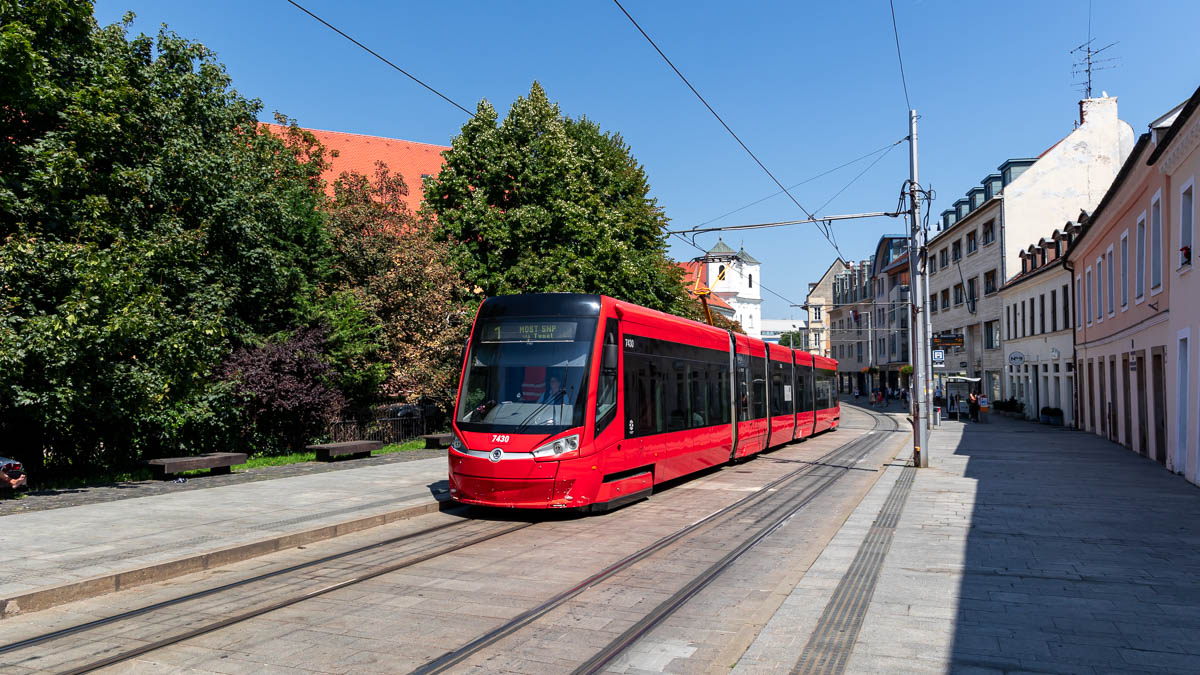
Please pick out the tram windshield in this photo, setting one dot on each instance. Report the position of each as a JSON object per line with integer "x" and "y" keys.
{"x": 526, "y": 376}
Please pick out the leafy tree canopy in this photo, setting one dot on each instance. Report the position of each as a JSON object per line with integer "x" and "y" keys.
{"x": 147, "y": 227}
{"x": 542, "y": 202}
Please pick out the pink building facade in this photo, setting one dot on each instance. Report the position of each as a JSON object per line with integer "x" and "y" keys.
{"x": 1124, "y": 266}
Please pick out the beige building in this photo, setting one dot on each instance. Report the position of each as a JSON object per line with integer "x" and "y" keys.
{"x": 818, "y": 302}
{"x": 850, "y": 323}
{"x": 965, "y": 271}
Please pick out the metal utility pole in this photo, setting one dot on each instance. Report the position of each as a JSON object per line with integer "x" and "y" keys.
{"x": 917, "y": 331}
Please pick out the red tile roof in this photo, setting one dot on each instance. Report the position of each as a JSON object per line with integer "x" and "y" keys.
{"x": 358, "y": 153}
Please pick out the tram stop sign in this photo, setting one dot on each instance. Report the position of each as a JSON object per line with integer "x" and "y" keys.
{"x": 938, "y": 357}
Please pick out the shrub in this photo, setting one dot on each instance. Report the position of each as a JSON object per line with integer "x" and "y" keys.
{"x": 285, "y": 389}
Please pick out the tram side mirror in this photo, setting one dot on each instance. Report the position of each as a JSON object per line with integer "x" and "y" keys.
{"x": 609, "y": 360}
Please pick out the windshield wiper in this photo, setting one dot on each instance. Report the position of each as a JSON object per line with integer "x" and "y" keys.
{"x": 541, "y": 407}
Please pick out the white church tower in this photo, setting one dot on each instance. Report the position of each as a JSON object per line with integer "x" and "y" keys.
{"x": 741, "y": 287}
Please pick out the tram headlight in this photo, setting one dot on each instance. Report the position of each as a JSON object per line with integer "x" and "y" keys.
{"x": 457, "y": 444}
{"x": 558, "y": 447}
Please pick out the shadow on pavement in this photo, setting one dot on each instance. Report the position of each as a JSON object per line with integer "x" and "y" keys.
{"x": 1081, "y": 556}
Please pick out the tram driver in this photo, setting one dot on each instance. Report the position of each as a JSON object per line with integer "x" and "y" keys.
{"x": 554, "y": 393}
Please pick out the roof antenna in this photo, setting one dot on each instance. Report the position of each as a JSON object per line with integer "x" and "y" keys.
{"x": 1087, "y": 61}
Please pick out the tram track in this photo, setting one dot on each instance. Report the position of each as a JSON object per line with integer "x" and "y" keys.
{"x": 777, "y": 515}
{"x": 418, "y": 549}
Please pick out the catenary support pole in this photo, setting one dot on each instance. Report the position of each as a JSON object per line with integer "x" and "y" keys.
{"x": 916, "y": 329}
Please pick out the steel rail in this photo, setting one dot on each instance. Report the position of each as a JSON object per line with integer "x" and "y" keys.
{"x": 97, "y": 623}
{"x": 456, "y": 656}
{"x": 680, "y": 597}
{"x": 257, "y": 612}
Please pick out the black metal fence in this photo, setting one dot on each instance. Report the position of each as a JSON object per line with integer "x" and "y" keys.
{"x": 393, "y": 424}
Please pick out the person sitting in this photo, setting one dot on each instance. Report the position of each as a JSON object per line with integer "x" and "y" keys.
{"x": 554, "y": 393}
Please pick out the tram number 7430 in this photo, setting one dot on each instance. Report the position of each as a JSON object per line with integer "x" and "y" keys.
{"x": 499, "y": 438}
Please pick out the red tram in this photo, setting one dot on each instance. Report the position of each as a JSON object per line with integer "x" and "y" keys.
{"x": 571, "y": 401}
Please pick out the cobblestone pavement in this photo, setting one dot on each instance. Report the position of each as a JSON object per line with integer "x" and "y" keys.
{"x": 1023, "y": 548}
{"x": 400, "y": 620}
{"x": 40, "y": 500}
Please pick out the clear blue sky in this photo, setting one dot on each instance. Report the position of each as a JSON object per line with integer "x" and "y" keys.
{"x": 808, "y": 86}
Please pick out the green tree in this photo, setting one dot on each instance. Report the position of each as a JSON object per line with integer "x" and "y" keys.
{"x": 542, "y": 202}
{"x": 794, "y": 339}
{"x": 148, "y": 226}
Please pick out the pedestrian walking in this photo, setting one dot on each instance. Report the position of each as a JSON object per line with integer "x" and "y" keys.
{"x": 973, "y": 406}
{"x": 856, "y": 394}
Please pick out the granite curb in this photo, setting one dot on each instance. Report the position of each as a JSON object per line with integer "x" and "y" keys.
{"x": 51, "y": 596}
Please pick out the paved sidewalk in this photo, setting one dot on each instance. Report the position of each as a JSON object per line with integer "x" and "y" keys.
{"x": 1023, "y": 548}
{"x": 65, "y": 554}
{"x": 40, "y": 500}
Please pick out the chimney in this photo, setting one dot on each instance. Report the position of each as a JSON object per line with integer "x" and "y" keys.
{"x": 1105, "y": 105}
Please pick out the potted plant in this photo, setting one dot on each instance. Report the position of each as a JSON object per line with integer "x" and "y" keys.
{"x": 1044, "y": 418}
{"x": 1056, "y": 416}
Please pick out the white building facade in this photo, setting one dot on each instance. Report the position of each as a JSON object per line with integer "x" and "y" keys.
{"x": 1038, "y": 331}
{"x": 736, "y": 278}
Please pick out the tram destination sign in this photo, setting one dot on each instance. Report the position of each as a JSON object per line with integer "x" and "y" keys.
{"x": 944, "y": 341}
{"x": 529, "y": 331}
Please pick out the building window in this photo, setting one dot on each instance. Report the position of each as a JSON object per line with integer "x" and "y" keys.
{"x": 989, "y": 282}
{"x": 1187, "y": 219}
{"x": 1066, "y": 307}
{"x": 750, "y": 279}
{"x": 1008, "y": 320}
{"x": 972, "y": 290}
{"x": 1099, "y": 289}
{"x": 860, "y": 351}
{"x": 958, "y": 294}
{"x": 933, "y": 303}
{"x": 1155, "y": 244}
{"x": 1108, "y": 270}
{"x": 1125, "y": 269}
{"x": 944, "y": 257}
{"x": 991, "y": 334}
{"x": 956, "y": 250}
{"x": 933, "y": 264}
{"x": 989, "y": 232}
{"x": 1042, "y": 311}
{"x": 1076, "y": 305}
{"x": 972, "y": 244}
{"x": 1089, "y": 303}
{"x": 816, "y": 313}
{"x": 946, "y": 299}
{"x": 1032, "y": 319}
{"x": 1053, "y": 310}
{"x": 1140, "y": 245}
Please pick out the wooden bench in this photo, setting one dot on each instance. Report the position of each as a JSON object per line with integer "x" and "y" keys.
{"x": 219, "y": 462}
{"x": 437, "y": 441}
{"x": 327, "y": 452}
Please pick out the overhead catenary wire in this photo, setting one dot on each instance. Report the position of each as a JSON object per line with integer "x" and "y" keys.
{"x": 377, "y": 55}
{"x": 745, "y": 147}
{"x": 899, "y": 57}
{"x": 805, "y": 181}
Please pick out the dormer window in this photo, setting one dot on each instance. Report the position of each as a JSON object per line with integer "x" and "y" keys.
{"x": 1024, "y": 264}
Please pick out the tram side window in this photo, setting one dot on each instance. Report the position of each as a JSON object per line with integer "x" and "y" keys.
{"x": 759, "y": 394}
{"x": 664, "y": 394}
{"x": 803, "y": 389}
{"x": 824, "y": 390}
{"x": 781, "y": 397}
{"x": 606, "y": 387}
{"x": 718, "y": 393}
{"x": 743, "y": 387}
{"x": 643, "y": 396}
{"x": 677, "y": 398}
